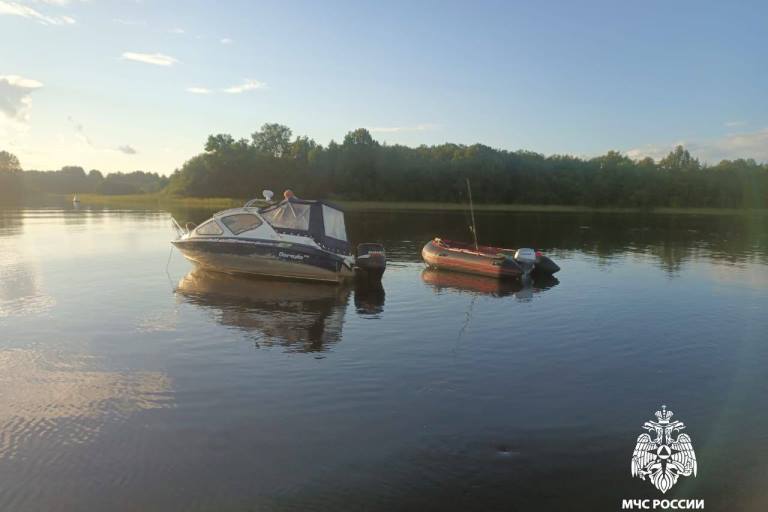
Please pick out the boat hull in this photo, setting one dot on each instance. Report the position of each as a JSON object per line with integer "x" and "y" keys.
{"x": 282, "y": 260}
{"x": 545, "y": 266}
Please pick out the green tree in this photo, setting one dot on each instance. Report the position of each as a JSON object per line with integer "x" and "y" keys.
{"x": 679, "y": 159}
{"x": 11, "y": 180}
{"x": 74, "y": 171}
{"x": 361, "y": 168}
{"x": 359, "y": 137}
{"x": 272, "y": 139}
{"x": 95, "y": 181}
{"x": 357, "y": 167}
{"x": 9, "y": 162}
{"x": 301, "y": 148}
{"x": 219, "y": 142}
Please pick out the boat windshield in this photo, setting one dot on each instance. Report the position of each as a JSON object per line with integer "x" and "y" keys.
{"x": 209, "y": 228}
{"x": 289, "y": 215}
{"x": 241, "y": 222}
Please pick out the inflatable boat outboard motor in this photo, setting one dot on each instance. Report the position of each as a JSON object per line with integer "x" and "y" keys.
{"x": 526, "y": 259}
{"x": 533, "y": 262}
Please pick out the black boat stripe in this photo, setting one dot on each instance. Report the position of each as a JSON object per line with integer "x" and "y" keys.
{"x": 295, "y": 253}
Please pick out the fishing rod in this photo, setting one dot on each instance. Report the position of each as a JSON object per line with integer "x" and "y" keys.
{"x": 472, "y": 213}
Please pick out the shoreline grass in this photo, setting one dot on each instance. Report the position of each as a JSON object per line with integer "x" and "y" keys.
{"x": 533, "y": 208}
{"x": 160, "y": 200}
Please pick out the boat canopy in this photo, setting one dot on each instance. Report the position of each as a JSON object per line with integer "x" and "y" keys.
{"x": 321, "y": 220}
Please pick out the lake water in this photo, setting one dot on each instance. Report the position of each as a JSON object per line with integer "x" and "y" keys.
{"x": 130, "y": 383}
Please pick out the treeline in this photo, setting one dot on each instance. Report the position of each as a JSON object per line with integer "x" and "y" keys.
{"x": 360, "y": 168}
{"x": 74, "y": 180}
{"x": 16, "y": 184}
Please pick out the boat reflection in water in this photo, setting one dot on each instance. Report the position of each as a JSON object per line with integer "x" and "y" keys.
{"x": 369, "y": 297}
{"x": 302, "y": 316}
{"x": 521, "y": 289}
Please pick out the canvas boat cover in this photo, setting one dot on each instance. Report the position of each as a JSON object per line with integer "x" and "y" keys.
{"x": 321, "y": 220}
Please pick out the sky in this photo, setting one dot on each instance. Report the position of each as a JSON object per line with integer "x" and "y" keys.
{"x": 140, "y": 84}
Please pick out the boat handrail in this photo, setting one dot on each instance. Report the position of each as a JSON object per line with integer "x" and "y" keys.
{"x": 258, "y": 202}
{"x": 177, "y": 227}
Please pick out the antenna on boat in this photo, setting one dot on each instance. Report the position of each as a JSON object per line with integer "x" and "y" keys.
{"x": 472, "y": 212}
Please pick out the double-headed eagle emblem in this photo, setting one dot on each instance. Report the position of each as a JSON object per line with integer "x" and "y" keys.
{"x": 663, "y": 459}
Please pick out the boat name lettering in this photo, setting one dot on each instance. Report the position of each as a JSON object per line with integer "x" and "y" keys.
{"x": 291, "y": 256}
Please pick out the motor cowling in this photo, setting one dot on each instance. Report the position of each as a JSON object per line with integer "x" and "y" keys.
{"x": 525, "y": 255}
{"x": 526, "y": 258}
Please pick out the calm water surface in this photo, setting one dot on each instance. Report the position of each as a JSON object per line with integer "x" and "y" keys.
{"x": 128, "y": 387}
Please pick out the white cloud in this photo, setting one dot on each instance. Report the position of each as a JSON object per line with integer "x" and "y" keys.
{"x": 59, "y": 3}
{"x": 177, "y": 30}
{"x": 128, "y": 150}
{"x": 130, "y": 23}
{"x": 737, "y": 145}
{"x": 12, "y": 131}
{"x": 157, "y": 59}
{"x": 226, "y": 40}
{"x": 733, "y": 124}
{"x": 729, "y": 147}
{"x": 423, "y": 127}
{"x": 20, "y": 81}
{"x": 24, "y": 11}
{"x": 15, "y": 97}
{"x": 83, "y": 137}
{"x": 247, "y": 85}
{"x": 654, "y": 151}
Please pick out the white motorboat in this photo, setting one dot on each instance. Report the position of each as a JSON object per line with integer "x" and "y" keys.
{"x": 295, "y": 238}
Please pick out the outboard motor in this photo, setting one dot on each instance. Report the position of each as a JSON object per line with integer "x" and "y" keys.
{"x": 526, "y": 258}
{"x": 371, "y": 261}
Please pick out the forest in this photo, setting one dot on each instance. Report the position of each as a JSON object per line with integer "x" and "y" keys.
{"x": 360, "y": 168}
{"x": 16, "y": 184}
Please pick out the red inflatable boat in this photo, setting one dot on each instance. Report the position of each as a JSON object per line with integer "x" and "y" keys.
{"x": 485, "y": 260}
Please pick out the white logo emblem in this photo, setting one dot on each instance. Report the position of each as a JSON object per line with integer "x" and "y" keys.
{"x": 663, "y": 459}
